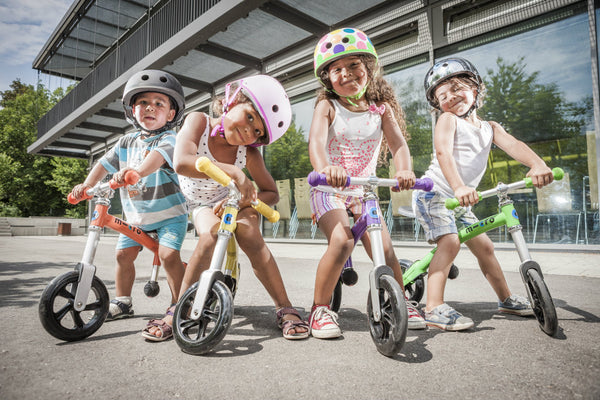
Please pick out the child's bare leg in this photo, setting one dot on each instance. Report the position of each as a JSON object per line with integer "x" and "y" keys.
{"x": 263, "y": 263}
{"x": 336, "y": 227}
{"x": 171, "y": 261}
{"x": 482, "y": 247}
{"x": 447, "y": 249}
{"x": 125, "y": 271}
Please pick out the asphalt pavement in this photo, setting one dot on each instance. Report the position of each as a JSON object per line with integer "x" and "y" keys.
{"x": 502, "y": 357}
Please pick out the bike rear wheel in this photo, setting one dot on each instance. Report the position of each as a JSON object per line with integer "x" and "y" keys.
{"x": 202, "y": 335}
{"x": 57, "y": 312}
{"x": 542, "y": 304}
{"x": 389, "y": 334}
{"x": 336, "y": 297}
{"x": 416, "y": 289}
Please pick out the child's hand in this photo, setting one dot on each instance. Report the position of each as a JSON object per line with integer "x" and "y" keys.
{"x": 406, "y": 179}
{"x": 119, "y": 176}
{"x": 246, "y": 188}
{"x": 540, "y": 176}
{"x": 467, "y": 196}
{"x": 219, "y": 208}
{"x": 79, "y": 190}
{"x": 336, "y": 176}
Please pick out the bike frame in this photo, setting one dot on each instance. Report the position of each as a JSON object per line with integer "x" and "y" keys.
{"x": 506, "y": 217}
{"x": 100, "y": 219}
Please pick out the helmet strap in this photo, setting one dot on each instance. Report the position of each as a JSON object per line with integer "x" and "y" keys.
{"x": 354, "y": 97}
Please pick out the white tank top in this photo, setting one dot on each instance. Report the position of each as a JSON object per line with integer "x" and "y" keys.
{"x": 207, "y": 192}
{"x": 470, "y": 151}
{"x": 353, "y": 142}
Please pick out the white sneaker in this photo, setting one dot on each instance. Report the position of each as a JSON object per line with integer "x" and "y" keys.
{"x": 323, "y": 323}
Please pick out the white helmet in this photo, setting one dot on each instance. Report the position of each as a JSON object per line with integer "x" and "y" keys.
{"x": 269, "y": 99}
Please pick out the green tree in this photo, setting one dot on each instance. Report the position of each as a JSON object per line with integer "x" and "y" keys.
{"x": 24, "y": 188}
{"x": 288, "y": 157}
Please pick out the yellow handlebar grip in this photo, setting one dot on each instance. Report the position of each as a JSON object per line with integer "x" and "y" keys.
{"x": 206, "y": 166}
{"x": 269, "y": 213}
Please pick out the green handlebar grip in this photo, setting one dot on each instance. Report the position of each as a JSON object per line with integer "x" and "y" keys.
{"x": 557, "y": 172}
{"x": 452, "y": 203}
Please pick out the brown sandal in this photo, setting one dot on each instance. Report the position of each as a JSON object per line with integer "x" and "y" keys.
{"x": 287, "y": 325}
{"x": 166, "y": 330}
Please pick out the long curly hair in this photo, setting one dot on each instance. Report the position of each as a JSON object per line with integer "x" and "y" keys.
{"x": 378, "y": 91}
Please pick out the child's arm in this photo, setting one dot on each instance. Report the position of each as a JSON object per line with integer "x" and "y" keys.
{"x": 317, "y": 145}
{"x": 255, "y": 164}
{"x": 186, "y": 147}
{"x": 443, "y": 139}
{"x": 540, "y": 173}
{"x": 399, "y": 149}
{"x": 151, "y": 163}
{"x": 97, "y": 173}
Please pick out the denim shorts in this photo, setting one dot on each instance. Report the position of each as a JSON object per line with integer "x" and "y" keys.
{"x": 321, "y": 202}
{"x": 169, "y": 235}
{"x": 436, "y": 219}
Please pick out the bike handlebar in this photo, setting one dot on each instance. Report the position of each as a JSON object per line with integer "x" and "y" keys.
{"x": 131, "y": 178}
{"x": 316, "y": 179}
{"x": 558, "y": 174}
{"x": 207, "y": 167}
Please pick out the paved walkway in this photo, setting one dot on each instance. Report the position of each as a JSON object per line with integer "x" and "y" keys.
{"x": 502, "y": 357}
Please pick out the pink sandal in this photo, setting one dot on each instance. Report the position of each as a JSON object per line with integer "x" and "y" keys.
{"x": 166, "y": 330}
{"x": 287, "y": 325}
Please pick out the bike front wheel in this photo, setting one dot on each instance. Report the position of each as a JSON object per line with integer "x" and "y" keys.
{"x": 202, "y": 335}
{"x": 57, "y": 312}
{"x": 389, "y": 333}
{"x": 542, "y": 304}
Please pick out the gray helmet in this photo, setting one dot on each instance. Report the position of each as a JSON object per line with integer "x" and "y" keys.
{"x": 447, "y": 68}
{"x": 152, "y": 80}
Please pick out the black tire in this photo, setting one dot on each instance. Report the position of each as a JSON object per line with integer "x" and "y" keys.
{"x": 415, "y": 290}
{"x": 542, "y": 304}
{"x": 58, "y": 315}
{"x": 202, "y": 335}
{"x": 389, "y": 334}
{"x": 336, "y": 297}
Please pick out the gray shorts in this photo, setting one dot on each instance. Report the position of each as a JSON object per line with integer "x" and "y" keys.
{"x": 436, "y": 219}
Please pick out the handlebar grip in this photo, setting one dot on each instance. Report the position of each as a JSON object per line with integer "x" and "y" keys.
{"x": 206, "y": 166}
{"x": 452, "y": 203}
{"x": 316, "y": 179}
{"x": 425, "y": 184}
{"x": 131, "y": 178}
{"x": 270, "y": 214}
{"x": 71, "y": 199}
{"x": 557, "y": 172}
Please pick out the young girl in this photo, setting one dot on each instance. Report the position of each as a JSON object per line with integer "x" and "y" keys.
{"x": 255, "y": 112}
{"x": 354, "y": 111}
{"x": 462, "y": 144}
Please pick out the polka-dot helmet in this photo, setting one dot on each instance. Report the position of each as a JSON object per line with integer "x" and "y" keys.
{"x": 154, "y": 81}
{"x": 338, "y": 44}
{"x": 269, "y": 99}
{"x": 445, "y": 69}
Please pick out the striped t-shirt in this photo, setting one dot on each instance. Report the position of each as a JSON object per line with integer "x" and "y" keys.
{"x": 162, "y": 201}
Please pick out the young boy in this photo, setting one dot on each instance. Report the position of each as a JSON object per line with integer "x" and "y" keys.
{"x": 154, "y": 103}
{"x": 462, "y": 144}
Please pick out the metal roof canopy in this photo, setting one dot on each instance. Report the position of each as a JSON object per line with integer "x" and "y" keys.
{"x": 206, "y": 43}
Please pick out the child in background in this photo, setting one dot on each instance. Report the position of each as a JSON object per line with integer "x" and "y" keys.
{"x": 255, "y": 112}
{"x": 154, "y": 104}
{"x": 354, "y": 111}
{"x": 462, "y": 144}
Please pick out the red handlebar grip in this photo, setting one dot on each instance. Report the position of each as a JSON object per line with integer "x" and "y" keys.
{"x": 71, "y": 199}
{"x": 131, "y": 178}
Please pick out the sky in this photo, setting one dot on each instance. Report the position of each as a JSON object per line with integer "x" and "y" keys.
{"x": 25, "y": 26}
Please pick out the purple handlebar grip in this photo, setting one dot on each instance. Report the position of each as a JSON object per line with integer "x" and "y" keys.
{"x": 316, "y": 179}
{"x": 425, "y": 184}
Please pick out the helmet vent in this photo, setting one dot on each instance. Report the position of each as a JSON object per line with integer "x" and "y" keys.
{"x": 280, "y": 124}
{"x": 275, "y": 108}
{"x": 163, "y": 78}
{"x": 328, "y": 45}
{"x": 346, "y": 39}
{"x": 145, "y": 77}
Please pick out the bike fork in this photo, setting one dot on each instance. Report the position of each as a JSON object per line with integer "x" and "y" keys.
{"x": 379, "y": 269}
{"x": 86, "y": 269}
{"x": 213, "y": 273}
